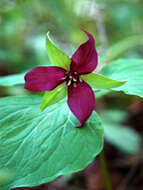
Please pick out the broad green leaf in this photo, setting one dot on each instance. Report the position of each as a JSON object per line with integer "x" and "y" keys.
{"x": 5, "y": 176}
{"x": 123, "y": 137}
{"x": 11, "y": 80}
{"x": 115, "y": 115}
{"x": 56, "y": 56}
{"x": 37, "y": 147}
{"x": 54, "y": 96}
{"x": 101, "y": 93}
{"x": 130, "y": 70}
{"x": 101, "y": 82}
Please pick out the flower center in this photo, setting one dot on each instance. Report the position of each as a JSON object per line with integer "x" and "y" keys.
{"x": 72, "y": 78}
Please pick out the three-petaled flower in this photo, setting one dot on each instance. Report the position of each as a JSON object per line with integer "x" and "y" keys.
{"x": 81, "y": 99}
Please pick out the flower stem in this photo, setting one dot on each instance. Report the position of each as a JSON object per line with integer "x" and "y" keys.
{"x": 103, "y": 164}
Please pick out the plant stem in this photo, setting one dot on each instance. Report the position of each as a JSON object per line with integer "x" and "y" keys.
{"x": 103, "y": 164}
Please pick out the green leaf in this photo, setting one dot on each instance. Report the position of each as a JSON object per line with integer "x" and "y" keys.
{"x": 11, "y": 80}
{"x": 100, "y": 82}
{"x": 5, "y": 176}
{"x": 127, "y": 69}
{"x": 56, "y": 56}
{"x": 101, "y": 93}
{"x": 37, "y": 147}
{"x": 123, "y": 137}
{"x": 54, "y": 96}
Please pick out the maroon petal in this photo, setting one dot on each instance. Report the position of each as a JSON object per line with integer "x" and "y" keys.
{"x": 81, "y": 101}
{"x": 85, "y": 59}
{"x": 44, "y": 78}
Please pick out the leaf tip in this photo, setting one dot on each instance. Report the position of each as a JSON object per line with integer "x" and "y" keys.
{"x": 42, "y": 109}
{"x": 124, "y": 81}
{"x": 47, "y": 35}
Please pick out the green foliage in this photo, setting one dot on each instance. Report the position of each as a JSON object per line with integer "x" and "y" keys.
{"x": 38, "y": 147}
{"x": 123, "y": 137}
{"x": 56, "y": 56}
{"x": 101, "y": 93}
{"x": 54, "y": 96}
{"x": 11, "y": 80}
{"x": 127, "y": 69}
{"x": 122, "y": 46}
{"x": 5, "y": 176}
{"x": 100, "y": 82}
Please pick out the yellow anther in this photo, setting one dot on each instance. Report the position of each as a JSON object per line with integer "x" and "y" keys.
{"x": 64, "y": 78}
{"x": 75, "y": 80}
{"x": 69, "y": 83}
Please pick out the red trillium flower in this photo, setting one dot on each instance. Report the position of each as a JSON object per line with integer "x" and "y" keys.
{"x": 81, "y": 100}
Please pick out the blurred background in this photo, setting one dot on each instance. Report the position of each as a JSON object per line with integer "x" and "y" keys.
{"x": 118, "y": 30}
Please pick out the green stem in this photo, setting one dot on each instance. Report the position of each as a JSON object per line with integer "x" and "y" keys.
{"x": 103, "y": 164}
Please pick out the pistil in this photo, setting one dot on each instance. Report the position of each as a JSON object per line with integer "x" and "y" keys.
{"x": 72, "y": 78}
{"x": 74, "y": 85}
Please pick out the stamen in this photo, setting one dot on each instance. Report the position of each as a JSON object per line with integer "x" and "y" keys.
{"x": 80, "y": 80}
{"x": 75, "y": 73}
{"x": 69, "y": 83}
{"x": 64, "y": 78}
{"x": 74, "y": 85}
{"x": 75, "y": 80}
{"x": 70, "y": 77}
